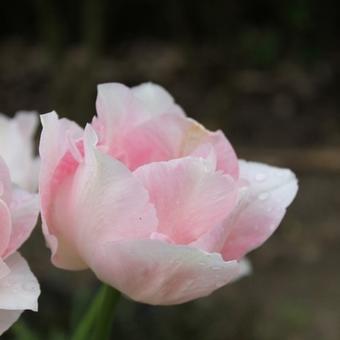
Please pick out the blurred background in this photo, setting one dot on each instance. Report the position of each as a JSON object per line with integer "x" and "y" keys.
{"x": 268, "y": 74}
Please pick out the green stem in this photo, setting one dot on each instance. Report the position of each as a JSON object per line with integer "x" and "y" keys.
{"x": 97, "y": 322}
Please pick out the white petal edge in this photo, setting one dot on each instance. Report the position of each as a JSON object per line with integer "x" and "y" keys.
{"x": 261, "y": 208}
{"x": 158, "y": 273}
{"x": 19, "y": 290}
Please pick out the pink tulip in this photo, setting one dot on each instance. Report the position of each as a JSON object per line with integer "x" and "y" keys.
{"x": 17, "y": 146}
{"x": 152, "y": 202}
{"x": 19, "y": 289}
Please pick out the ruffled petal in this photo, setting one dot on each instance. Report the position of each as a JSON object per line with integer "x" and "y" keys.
{"x": 117, "y": 111}
{"x": 19, "y": 290}
{"x": 60, "y": 158}
{"x": 107, "y": 202}
{"x": 158, "y": 139}
{"x": 4, "y": 270}
{"x": 156, "y": 100}
{"x": 196, "y": 136}
{"x": 24, "y": 211}
{"x": 5, "y": 182}
{"x": 18, "y": 133}
{"x": 159, "y": 273}
{"x": 260, "y": 211}
{"x": 5, "y": 227}
{"x": 27, "y": 121}
{"x": 189, "y": 196}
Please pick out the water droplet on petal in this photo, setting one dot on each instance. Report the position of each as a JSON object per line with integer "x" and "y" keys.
{"x": 29, "y": 286}
{"x": 263, "y": 196}
{"x": 15, "y": 287}
{"x": 260, "y": 177}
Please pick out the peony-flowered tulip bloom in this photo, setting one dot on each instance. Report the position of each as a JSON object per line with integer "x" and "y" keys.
{"x": 17, "y": 148}
{"x": 19, "y": 289}
{"x": 152, "y": 202}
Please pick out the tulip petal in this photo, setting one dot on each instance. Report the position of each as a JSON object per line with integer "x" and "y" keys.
{"x": 213, "y": 240}
{"x": 24, "y": 211}
{"x": 138, "y": 145}
{"x": 156, "y": 100}
{"x": 117, "y": 110}
{"x": 54, "y": 141}
{"x": 19, "y": 157}
{"x": 159, "y": 273}
{"x": 19, "y": 290}
{"x": 260, "y": 211}
{"x": 5, "y": 226}
{"x": 108, "y": 202}
{"x": 57, "y": 165}
{"x": 27, "y": 121}
{"x": 189, "y": 196}
{"x": 5, "y": 182}
{"x": 196, "y": 136}
{"x": 132, "y": 121}
{"x": 4, "y": 270}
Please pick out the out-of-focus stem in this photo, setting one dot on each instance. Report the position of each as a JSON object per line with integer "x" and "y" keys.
{"x": 97, "y": 322}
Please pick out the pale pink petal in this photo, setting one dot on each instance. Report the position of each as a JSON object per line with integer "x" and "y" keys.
{"x": 5, "y": 182}
{"x": 5, "y": 226}
{"x": 196, "y": 135}
{"x": 107, "y": 201}
{"x": 59, "y": 161}
{"x": 24, "y": 211}
{"x": 158, "y": 139}
{"x": 54, "y": 141}
{"x": 143, "y": 124}
{"x": 158, "y": 273}
{"x": 118, "y": 110}
{"x": 27, "y": 122}
{"x": 189, "y": 196}
{"x": 156, "y": 100}
{"x": 121, "y": 110}
{"x": 19, "y": 290}
{"x": 17, "y": 148}
{"x": 260, "y": 211}
{"x": 4, "y": 270}
{"x": 8, "y": 318}
{"x": 213, "y": 240}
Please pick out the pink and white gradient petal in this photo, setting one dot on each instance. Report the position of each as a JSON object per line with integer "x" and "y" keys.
{"x": 5, "y": 182}
{"x": 108, "y": 202}
{"x": 19, "y": 290}
{"x": 59, "y": 161}
{"x": 5, "y": 227}
{"x": 24, "y": 211}
{"x": 260, "y": 211}
{"x": 17, "y": 148}
{"x": 156, "y": 100}
{"x": 117, "y": 111}
{"x": 159, "y": 273}
{"x": 198, "y": 196}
